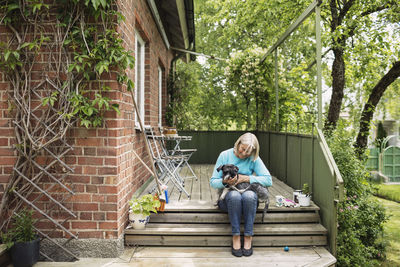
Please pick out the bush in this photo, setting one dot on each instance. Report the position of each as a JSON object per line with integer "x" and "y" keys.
{"x": 360, "y": 218}
{"x": 23, "y": 229}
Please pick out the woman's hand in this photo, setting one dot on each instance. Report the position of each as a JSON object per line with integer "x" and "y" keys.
{"x": 232, "y": 181}
{"x": 242, "y": 179}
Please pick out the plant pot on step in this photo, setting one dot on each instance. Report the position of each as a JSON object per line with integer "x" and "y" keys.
{"x": 304, "y": 200}
{"x": 140, "y": 209}
{"x": 138, "y": 221}
{"x": 24, "y": 254}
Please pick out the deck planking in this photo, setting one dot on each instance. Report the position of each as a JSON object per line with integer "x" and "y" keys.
{"x": 203, "y": 195}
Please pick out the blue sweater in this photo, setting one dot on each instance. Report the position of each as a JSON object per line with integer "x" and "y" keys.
{"x": 246, "y": 166}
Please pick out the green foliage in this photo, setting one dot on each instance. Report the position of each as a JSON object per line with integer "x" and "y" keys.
{"x": 97, "y": 52}
{"x": 360, "y": 232}
{"x": 144, "y": 205}
{"x": 248, "y": 88}
{"x": 96, "y": 48}
{"x": 22, "y": 230}
{"x": 306, "y": 189}
{"x": 241, "y": 32}
{"x": 360, "y": 218}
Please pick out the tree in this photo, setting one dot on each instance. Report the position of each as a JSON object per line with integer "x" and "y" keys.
{"x": 349, "y": 19}
{"x": 371, "y": 104}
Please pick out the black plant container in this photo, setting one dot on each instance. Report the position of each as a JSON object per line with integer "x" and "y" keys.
{"x": 25, "y": 254}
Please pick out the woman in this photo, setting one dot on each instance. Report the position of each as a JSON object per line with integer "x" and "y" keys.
{"x": 245, "y": 156}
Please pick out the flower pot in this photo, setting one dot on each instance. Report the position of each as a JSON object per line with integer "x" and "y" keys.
{"x": 138, "y": 221}
{"x": 25, "y": 254}
{"x": 304, "y": 200}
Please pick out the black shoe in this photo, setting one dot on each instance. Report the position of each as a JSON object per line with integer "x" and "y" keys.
{"x": 237, "y": 252}
{"x": 248, "y": 252}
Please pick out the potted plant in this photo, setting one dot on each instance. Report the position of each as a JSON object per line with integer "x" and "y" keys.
{"x": 305, "y": 196}
{"x": 140, "y": 208}
{"x": 22, "y": 240}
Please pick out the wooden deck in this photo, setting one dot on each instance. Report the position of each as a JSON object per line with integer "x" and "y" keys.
{"x": 205, "y": 257}
{"x": 203, "y": 197}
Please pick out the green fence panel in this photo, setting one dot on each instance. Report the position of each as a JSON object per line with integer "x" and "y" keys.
{"x": 209, "y": 144}
{"x": 278, "y": 155}
{"x": 265, "y": 148}
{"x": 293, "y": 164}
{"x": 391, "y": 163}
{"x": 306, "y": 161}
{"x": 373, "y": 159}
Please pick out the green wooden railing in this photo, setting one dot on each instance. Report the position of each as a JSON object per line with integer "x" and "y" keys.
{"x": 293, "y": 158}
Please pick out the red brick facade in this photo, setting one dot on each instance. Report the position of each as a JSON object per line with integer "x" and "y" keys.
{"x": 105, "y": 172}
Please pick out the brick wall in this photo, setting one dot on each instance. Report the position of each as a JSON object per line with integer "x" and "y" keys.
{"x": 105, "y": 172}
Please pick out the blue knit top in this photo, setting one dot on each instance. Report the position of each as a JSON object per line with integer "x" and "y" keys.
{"x": 256, "y": 170}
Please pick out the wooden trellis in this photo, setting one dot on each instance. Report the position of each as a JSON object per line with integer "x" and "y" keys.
{"x": 40, "y": 178}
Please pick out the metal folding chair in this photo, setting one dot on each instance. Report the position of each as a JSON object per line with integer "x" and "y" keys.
{"x": 177, "y": 150}
{"x": 168, "y": 166}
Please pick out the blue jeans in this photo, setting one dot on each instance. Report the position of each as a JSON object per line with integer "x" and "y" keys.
{"x": 236, "y": 205}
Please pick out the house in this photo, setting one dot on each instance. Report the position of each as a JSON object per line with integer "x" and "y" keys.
{"x": 90, "y": 202}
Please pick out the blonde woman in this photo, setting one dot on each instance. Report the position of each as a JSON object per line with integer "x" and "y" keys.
{"x": 251, "y": 170}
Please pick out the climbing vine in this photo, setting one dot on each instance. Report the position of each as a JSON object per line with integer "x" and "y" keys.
{"x": 59, "y": 58}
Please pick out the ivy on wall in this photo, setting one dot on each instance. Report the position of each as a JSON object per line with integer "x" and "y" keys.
{"x": 90, "y": 43}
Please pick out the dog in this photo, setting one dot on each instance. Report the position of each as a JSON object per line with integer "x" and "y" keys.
{"x": 230, "y": 171}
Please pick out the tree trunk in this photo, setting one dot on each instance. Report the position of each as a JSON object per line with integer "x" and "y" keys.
{"x": 369, "y": 107}
{"x": 338, "y": 80}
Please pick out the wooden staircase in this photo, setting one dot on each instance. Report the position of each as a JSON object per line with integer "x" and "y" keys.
{"x": 200, "y": 224}
{"x": 193, "y": 230}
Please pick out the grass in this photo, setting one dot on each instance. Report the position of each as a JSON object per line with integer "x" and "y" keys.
{"x": 392, "y": 233}
{"x": 389, "y": 191}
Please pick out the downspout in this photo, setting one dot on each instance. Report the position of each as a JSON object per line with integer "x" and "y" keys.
{"x": 173, "y": 74}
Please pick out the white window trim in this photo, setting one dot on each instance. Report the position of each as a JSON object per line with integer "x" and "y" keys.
{"x": 160, "y": 82}
{"x": 141, "y": 85}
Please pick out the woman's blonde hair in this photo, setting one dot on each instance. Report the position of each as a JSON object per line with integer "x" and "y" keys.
{"x": 251, "y": 141}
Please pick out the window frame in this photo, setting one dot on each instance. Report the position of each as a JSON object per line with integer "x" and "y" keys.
{"x": 160, "y": 89}
{"x": 140, "y": 50}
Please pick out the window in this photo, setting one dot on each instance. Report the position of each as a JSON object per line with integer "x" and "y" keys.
{"x": 160, "y": 82}
{"x": 139, "y": 78}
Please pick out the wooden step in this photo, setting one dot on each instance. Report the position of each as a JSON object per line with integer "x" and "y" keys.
{"x": 298, "y": 234}
{"x": 222, "y": 241}
{"x": 219, "y": 217}
{"x": 208, "y": 206}
{"x": 225, "y": 229}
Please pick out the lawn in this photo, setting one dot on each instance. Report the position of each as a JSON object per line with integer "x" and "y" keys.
{"x": 392, "y": 232}
{"x": 389, "y": 191}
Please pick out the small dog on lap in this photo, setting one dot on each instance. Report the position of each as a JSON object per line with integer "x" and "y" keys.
{"x": 230, "y": 171}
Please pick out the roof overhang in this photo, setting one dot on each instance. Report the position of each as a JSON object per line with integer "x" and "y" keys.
{"x": 175, "y": 22}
